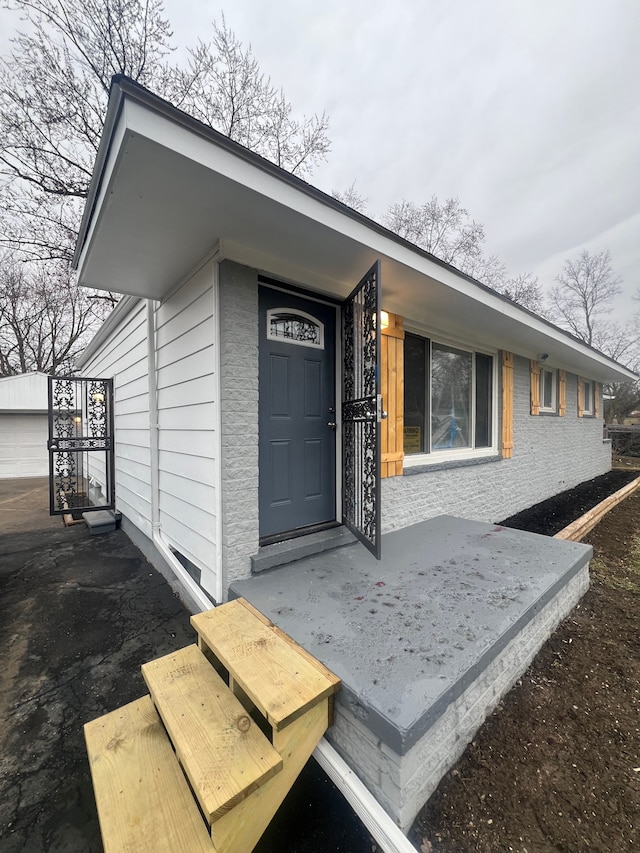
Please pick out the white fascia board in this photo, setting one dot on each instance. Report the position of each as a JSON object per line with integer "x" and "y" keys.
{"x": 114, "y": 153}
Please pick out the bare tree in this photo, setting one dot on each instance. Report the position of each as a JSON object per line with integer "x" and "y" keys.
{"x": 620, "y": 341}
{"x": 54, "y": 86}
{"x": 447, "y": 231}
{"x": 621, "y": 398}
{"x": 54, "y": 89}
{"x": 352, "y": 198}
{"x": 224, "y": 87}
{"x": 583, "y": 293}
{"x": 525, "y": 290}
{"x": 53, "y": 94}
{"x": 444, "y": 230}
{"x": 45, "y": 320}
{"x": 580, "y": 302}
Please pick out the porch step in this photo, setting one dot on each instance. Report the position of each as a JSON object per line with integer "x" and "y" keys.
{"x": 101, "y": 521}
{"x": 237, "y": 775}
{"x": 140, "y": 789}
{"x": 278, "y": 676}
{"x": 224, "y": 754}
{"x": 281, "y": 553}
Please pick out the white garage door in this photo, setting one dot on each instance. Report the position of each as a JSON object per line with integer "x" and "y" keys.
{"x": 23, "y": 446}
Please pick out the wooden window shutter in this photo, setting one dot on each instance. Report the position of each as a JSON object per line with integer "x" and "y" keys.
{"x": 596, "y": 399}
{"x": 392, "y": 387}
{"x": 507, "y": 405}
{"x": 534, "y": 373}
{"x": 562, "y": 393}
{"x": 580, "y": 396}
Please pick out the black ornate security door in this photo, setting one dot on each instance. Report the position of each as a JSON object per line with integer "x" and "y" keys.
{"x": 81, "y": 459}
{"x": 361, "y": 411}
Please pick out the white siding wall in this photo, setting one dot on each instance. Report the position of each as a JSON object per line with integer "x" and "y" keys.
{"x": 187, "y": 454}
{"x": 187, "y": 418}
{"x": 123, "y": 356}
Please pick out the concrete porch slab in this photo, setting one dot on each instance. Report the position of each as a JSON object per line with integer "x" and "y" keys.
{"x": 454, "y": 608}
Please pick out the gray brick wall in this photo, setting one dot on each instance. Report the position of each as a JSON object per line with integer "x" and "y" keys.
{"x": 239, "y": 416}
{"x": 550, "y": 454}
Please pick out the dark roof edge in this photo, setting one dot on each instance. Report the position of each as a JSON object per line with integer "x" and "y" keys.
{"x": 122, "y": 85}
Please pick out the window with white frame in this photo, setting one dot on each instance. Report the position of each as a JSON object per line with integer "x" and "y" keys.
{"x": 448, "y": 398}
{"x": 548, "y": 390}
{"x": 587, "y": 407}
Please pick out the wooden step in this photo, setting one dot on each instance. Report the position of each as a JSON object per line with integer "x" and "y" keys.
{"x": 281, "y": 679}
{"x": 240, "y": 830}
{"x": 144, "y": 801}
{"x": 224, "y": 754}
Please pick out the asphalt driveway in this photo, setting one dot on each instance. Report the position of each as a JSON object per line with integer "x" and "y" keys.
{"x": 79, "y": 614}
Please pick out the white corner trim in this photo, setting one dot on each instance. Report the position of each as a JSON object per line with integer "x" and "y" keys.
{"x": 217, "y": 424}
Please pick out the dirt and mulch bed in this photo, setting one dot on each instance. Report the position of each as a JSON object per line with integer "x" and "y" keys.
{"x": 551, "y": 516}
{"x": 556, "y": 768}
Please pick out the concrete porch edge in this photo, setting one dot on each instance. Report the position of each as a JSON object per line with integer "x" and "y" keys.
{"x": 426, "y": 642}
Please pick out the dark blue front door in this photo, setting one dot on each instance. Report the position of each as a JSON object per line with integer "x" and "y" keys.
{"x": 297, "y": 412}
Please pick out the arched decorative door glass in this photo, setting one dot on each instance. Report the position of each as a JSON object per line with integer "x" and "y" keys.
{"x": 294, "y": 327}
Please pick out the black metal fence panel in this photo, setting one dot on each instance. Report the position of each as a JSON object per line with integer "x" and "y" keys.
{"x": 625, "y": 440}
{"x": 81, "y": 444}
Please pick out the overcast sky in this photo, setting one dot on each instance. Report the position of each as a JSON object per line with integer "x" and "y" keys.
{"x": 527, "y": 110}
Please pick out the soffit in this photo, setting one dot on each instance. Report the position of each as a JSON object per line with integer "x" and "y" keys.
{"x": 167, "y": 196}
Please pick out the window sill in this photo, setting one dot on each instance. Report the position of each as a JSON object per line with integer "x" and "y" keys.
{"x": 420, "y": 465}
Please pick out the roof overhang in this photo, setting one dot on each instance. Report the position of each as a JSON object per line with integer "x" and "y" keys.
{"x": 168, "y": 191}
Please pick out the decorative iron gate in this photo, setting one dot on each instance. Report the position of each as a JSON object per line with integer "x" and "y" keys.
{"x": 362, "y": 411}
{"x": 81, "y": 459}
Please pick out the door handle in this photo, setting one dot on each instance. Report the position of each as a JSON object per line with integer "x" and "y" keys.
{"x": 332, "y": 425}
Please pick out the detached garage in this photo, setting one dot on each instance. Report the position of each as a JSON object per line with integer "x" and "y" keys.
{"x": 23, "y": 426}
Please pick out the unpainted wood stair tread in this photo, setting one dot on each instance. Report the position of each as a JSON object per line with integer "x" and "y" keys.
{"x": 144, "y": 802}
{"x": 224, "y": 754}
{"x": 279, "y": 677}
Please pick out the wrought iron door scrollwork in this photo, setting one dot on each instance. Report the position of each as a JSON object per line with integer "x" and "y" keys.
{"x": 360, "y": 410}
{"x": 361, "y": 453}
{"x": 97, "y": 408}
{"x": 80, "y": 443}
